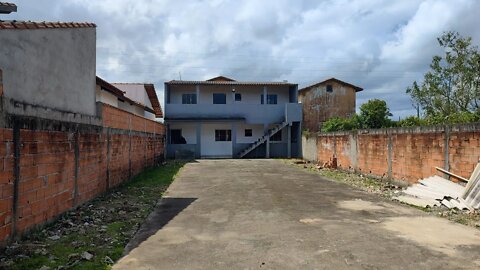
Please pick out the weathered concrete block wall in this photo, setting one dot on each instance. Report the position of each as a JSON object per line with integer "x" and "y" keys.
{"x": 49, "y": 67}
{"x": 48, "y": 167}
{"x": 309, "y": 148}
{"x": 407, "y": 154}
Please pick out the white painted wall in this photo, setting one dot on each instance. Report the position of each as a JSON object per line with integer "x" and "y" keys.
{"x": 257, "y": 132}
{"x": 249, "y": 96}
{"x": 189, "y": 131}
{"x": 208, "y": 144}
{"x": 106, "y": 97}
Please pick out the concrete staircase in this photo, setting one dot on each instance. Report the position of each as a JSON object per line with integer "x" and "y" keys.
{"x": 262, "y": 139}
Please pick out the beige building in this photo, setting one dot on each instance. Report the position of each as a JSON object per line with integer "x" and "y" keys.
{"x": 327, "y": 99}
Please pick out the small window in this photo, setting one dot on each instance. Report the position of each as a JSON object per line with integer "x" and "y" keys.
{"x": 223, "y": 135}
{"x": 219, "y": 98}
{"x": 271, "y": 99}
{"x": 248, "y": 132}
{"x": 238, "y": 97}
{"x": 329, "y": 88}
{"x": 189, "y": 98}
{"x": 176, "y": 137}
{"x": 277, "y": 137}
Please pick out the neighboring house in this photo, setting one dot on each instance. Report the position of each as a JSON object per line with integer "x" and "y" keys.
{"x": 110, "y": 94}
{"x": 143, "y": 93}
{"x": 225, "y": 118}
{"x": 327, "y": 99}
{"x": 7, "y": 8}
{"x": 49, "y": 65}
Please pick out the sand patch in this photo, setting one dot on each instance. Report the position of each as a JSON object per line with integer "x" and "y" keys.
{"x": 359, "y": 205}
{"x": 434, "y": 233}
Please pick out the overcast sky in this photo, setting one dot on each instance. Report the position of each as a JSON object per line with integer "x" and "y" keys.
{"x": 380, "y": 45}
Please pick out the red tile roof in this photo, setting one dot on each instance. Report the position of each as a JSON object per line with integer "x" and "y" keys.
{"x": 357, "y": 89}
{"x": 7, "y": 4}
{"x": 221, "y": 79}
{"x": 43, "y": 25}
{"x": 7, "y": 8}
{"x": 152, "y": 95}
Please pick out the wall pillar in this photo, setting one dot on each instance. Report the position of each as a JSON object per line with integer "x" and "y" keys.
{"x": 289, "y": 140}
{"x": 389, "y": 154}
{"x": 234, "y": 139}
{"x": 267, "y": 142}
{"x": 265, "y": 92}
{"x": 198, "y": 146}
{"x": 197, "y": 93}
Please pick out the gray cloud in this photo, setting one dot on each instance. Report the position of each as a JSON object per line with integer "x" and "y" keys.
{"x": 380, "y": 45}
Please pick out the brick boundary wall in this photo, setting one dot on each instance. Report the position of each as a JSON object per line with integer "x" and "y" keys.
{"x": 406, "y": 154}
{"x": 48, "y": 167}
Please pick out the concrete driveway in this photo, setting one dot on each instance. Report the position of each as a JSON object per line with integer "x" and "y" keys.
{"x": 264, "y": 214}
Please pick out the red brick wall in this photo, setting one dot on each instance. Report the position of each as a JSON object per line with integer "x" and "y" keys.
{"x": 62, "y": 169}
{"x": 6, "y": 182}
{"x": 414, "y": 152}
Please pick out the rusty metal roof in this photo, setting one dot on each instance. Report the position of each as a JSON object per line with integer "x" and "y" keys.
{"x": 43, "y": 25}
{"x": 176, "y": 82}
{"x": 357, "y": 89}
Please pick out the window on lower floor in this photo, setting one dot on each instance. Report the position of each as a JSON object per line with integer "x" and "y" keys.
{"x": 277, "y": 137}
{"x": 238, "y": 97}
{"x": 248, "y": 132}
{"x": 223, "y": 135}
{"x": 189, "y": 98}
{"x": 176, "y": 137}
{"x": 219, "y": 98}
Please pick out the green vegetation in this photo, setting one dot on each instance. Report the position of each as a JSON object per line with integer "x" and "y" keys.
{"x": 373, "y": 114}
{"x": 452, "y": 85}
{"x": 101, "y": 227}
{"x": 448, "y": 94}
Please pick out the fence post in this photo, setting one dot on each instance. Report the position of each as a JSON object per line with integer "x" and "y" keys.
{"x": 76, "y": 151}
{"x": 445, "y": 150}
{"x": 108, "y": 158}
{"x": 389, "y": 153}
{"x": 16, "y": 174}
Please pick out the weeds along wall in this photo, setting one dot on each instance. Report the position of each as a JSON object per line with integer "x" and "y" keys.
{"x": 407, "y": 154}
{"x": 48, "y": 167}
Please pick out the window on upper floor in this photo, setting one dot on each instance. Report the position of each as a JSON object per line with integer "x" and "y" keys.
{"x": 189, "y": 98}
{"x": 238, "y": 97}
{"x": 271, "y": 99}
{"x": 329, "y": 88}
{"x": 219, "y": 98}
{"x": 223, "y": 135}
{"x": 248, "y": 132}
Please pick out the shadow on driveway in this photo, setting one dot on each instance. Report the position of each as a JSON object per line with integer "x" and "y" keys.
{"x": 164, "y": 211}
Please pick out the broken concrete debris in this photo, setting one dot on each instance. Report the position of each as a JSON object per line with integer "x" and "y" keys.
{"x": 471, "y": 194}
{"x": 438, "y": 191}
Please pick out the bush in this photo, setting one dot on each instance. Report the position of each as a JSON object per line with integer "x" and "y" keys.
{"x": 454, "y": 118}
{"x": 411, "y": 121}
{"x": 339, "y": 124}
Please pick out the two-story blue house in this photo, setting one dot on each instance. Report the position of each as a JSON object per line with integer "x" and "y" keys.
{"x": 224, "y": 118}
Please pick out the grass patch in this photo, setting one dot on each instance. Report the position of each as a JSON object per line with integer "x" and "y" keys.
{"x": 101, "y": 227}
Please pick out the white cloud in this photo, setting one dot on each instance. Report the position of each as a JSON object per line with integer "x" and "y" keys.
{"x": 380, "y": 45}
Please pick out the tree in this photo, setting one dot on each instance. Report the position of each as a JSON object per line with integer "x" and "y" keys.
{"x": 375, "y": 114}
{"x": 453, "y": 83}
